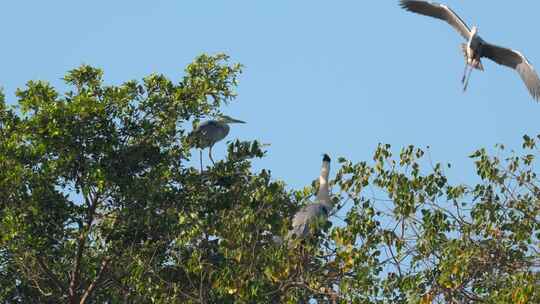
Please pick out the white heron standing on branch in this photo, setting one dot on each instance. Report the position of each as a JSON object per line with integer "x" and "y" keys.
{"x": 309, "y": 216}
{"x": 210, "y": 132}
{"x": 476, "y": 47}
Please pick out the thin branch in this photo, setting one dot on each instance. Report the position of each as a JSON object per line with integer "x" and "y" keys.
{"x": 96, "y": 280}
{"x": 50, "y": 274}
{"x": 92, "y": 205}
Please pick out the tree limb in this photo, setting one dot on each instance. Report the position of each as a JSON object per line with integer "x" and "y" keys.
{"x": 50, "y": 274}
{"x": 96, "y": 280}
{"x": 75, "y": 274}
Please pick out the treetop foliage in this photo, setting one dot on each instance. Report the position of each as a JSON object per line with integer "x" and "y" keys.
{"x": 99, "y": 203}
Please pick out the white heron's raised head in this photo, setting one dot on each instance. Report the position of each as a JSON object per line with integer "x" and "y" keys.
{"x": 324, "y": 195}
{"x": 326, "y": 158}
{"x": 228, "y": 119}
{"x": 325, "y": 166}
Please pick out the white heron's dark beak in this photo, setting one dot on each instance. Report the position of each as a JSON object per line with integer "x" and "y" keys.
{"x": 326, "y": 158}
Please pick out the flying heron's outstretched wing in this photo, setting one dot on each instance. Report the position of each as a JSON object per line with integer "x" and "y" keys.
{"x": 438, "y": 11}
{"x": 515, "y": 60}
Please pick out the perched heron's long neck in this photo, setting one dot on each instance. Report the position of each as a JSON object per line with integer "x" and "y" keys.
{"x": 324, "y": 195}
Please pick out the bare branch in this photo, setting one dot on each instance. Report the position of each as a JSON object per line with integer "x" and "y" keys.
{"x": 92, "y": 203}
{"x": 50, "y": 274}
{"x": 96, "y": 280}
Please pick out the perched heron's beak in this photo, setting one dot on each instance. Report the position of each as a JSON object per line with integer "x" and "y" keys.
{"x": 232, "y": 120}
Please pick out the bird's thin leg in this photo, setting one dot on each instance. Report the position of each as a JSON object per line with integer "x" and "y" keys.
{"x": 464, "y": 73}
{"x": 210, "y": 154}
{"x": 467, "y": 79}
{"x": 200, "y": 158}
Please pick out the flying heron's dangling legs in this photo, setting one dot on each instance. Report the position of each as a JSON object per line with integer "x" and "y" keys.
{"x": 210, "y": 154}
{"x": 467, "y": 79}
{"x": 464, "y": 72}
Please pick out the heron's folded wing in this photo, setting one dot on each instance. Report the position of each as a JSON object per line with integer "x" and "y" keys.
{"x": 438, "y": 11}
{"x": 299, "y": 224}
{"x": 304, "y": 217}
{"x": 515, "y": 60}
{"x": 201, "y": 133}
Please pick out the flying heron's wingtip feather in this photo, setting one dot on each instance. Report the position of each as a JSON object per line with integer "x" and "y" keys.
{"x": 405, "y": 4}
{"x": 529, "y": 76}
{"x": 515, "y": 60}
{"x": 535, "y": 91}
{"x": 410, "y": 5}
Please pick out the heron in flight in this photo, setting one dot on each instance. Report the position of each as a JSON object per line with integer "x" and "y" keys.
{"x": 210, "y": 132}
{"x": 476, "y": 47}
{"x": 312, "y": 214}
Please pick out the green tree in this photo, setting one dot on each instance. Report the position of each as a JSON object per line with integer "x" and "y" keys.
{"x": 99, "y": 204}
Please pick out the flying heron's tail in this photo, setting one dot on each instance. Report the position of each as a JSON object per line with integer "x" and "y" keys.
{"x": 464, "y": 50}
{"x": 477, "y": 64}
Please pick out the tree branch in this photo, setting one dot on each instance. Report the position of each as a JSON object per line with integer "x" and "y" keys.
{"x": 96, "y": 280}
{"x": 75, "y": 274}
{"x": 50, "y": 274}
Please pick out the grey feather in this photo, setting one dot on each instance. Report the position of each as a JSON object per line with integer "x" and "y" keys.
{"x": 438, "y": 11}
{"x": 206, "y": 134}
{"x": 314, "y": 215}
{"x": 210, "y": 132}
{"x": 515, "y": 60}
{"x": 308, "y": 217}
{"x": 476, "y": 48}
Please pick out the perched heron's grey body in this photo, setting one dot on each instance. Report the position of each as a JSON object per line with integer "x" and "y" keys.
{"x": 317, "y": 212}
{"x": 211, "y": 131}
{"x": 476, "y": 47}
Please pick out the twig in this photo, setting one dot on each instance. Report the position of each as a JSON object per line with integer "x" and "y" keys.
{"x": 50, "y": 274}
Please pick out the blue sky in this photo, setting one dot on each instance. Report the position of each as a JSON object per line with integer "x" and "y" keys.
{"x": 320, "y": 76}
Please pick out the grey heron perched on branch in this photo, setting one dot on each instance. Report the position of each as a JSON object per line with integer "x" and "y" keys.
{"x": 476, "y": 47}
{"x": 210, "y": 132}
{"x": 312, "y": 214}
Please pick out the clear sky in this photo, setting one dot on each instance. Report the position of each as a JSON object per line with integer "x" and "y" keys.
{"x": 320, "y": 76}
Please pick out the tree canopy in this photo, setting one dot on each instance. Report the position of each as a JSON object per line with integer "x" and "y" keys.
{"x": 99, "y": 203}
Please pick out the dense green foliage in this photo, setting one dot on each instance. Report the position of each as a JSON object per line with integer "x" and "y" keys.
{"x": 99, "y": 204}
